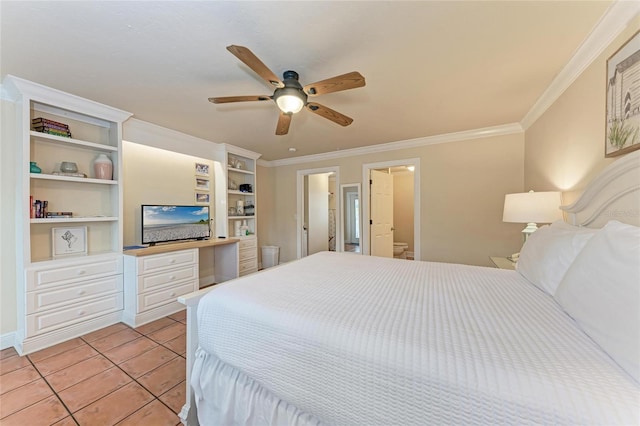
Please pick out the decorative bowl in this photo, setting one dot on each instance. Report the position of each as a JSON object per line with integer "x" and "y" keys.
{"x": 68, "y": 167}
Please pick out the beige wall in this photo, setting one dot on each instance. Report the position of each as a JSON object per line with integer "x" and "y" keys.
{"x": 564, "y": 148}
{"x": 403, "y": 208}
{"x": 8, "y": 241}
{"x": 156, "y": 176}
{"x": 463, "y": 186}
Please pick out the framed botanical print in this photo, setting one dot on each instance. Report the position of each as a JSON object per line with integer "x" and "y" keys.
{"x": 67, "y": 241}
{"x": 623, "y": 99}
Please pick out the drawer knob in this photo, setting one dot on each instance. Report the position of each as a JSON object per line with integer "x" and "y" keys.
{"x": 80, "y": 313}
{"x": 81, "y": 292}
{"x": 172, "y": 261}
{"x": 81, "y": 272}
{"x": 172, "y": 277}
{"x": 173, "y": 294}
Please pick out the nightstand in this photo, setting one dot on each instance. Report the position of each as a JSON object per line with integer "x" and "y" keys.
{"x": 503, "y": 262}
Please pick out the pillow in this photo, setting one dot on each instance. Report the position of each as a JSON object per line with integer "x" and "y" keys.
{"x": 548, "y": 253}
{"x": 601, "y": 291}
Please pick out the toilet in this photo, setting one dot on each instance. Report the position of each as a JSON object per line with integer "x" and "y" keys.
{"x": 400, "y": 250}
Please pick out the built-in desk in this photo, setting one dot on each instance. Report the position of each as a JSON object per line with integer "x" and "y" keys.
{"x": 154, "y": 277}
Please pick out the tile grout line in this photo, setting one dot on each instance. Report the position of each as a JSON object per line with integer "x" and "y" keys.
{"x": 52, "y": 390}
{"x": 155, "y": 397}
{"x": 70, "y": 414}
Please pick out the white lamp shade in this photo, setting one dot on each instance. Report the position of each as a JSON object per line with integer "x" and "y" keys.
{"x": 532, "y": 207}
{"x": 289, "y": 103}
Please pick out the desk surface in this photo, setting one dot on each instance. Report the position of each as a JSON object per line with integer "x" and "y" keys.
{"x": 169, "y": 247}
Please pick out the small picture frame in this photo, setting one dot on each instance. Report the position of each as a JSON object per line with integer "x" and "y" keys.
{"x": 202, "y": 198}
{"x": 202, "y": 184}
{"x": 69, "y": 241}
{"x": 202, "y": 169}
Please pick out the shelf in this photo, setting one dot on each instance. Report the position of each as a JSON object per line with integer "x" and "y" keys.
{"x": 77, "y": 219}
{"x": 235, "y": 192}
{"x": 73, "y": 179}
{"x": 71, "y": 141}
{"x": 241, "y": 217}
{"x": 247, "y": 172}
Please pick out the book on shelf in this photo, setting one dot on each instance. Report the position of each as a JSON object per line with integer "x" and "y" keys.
{"x": 51, "y": 126}
{"x": 39, "y": 121}
{"x": 51, "y": 131}
{"x": 38, "y": 208}
{"x": 53, "y": 215}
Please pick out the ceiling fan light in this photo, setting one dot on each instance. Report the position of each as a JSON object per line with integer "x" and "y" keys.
{"x": 289, "y": 101}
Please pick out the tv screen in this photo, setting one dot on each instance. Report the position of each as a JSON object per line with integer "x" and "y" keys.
{"x": 174, "y": 223}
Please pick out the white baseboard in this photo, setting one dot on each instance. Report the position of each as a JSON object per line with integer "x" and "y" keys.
{"x": 7, "y": 340}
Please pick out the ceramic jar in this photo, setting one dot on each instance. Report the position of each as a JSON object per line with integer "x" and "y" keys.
{"x": 33, "y": 167}
{"x": 103, "y": 167}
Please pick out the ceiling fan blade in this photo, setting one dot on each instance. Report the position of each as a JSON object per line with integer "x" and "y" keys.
{"x": 252, "y": 61}
{"x": 329, "y": 114}
{"x": 341, "y": 82}
{"x": 227, "y": 99}
{"x": 283, "y": 124}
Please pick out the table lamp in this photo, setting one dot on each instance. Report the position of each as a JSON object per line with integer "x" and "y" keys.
{"x": 532, "y": 208}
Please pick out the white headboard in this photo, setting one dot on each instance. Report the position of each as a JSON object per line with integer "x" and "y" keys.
{"x": 613, "y": 194}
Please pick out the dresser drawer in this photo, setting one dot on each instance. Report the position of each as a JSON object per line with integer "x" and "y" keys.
{"x": 248, "y": 266}
{"x": 44, "y": 322}
{"x": 52, "y": 298}
{"x": 40, "y": 278}
{"x": 159, "y": 262}
{"x": 154, "y": 281}
{"x": 162, "y": 297}
{"x": 247, "y": 243}
{"x": 246, "y": 254}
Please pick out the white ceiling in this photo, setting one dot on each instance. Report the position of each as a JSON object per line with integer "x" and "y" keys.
{"x": 431, "y": 67}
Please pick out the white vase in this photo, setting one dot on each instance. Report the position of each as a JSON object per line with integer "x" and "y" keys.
{"x": 103, "y": 167}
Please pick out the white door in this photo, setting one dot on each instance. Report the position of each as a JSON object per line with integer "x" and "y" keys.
{"x": 381, "y": 226}
{"x": 318, "y": 213}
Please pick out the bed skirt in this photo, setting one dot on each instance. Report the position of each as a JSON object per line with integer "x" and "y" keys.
{"x": 225, "y": 396}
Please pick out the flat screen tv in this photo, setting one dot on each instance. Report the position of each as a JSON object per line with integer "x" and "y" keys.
{"x": 163, "y": 223}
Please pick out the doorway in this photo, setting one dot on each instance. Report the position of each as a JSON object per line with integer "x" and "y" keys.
{"x": 316, "y": 221}
{"x": 371, "y": 231}
{"x": 351, "y": 218}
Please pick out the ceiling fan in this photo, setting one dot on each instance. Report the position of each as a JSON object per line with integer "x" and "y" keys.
{"x": 290, "y": 95}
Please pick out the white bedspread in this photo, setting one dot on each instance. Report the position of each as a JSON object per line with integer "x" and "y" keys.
{"x": 354, "y": 339}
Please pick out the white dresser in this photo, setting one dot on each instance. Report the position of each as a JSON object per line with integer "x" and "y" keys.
{"x": 159, "y": 279}
{"x": 154, "y": 277}
{"x": 70, "y": 297}
{"x": 248, "y": 255}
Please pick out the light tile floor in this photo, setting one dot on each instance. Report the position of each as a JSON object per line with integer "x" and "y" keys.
{"x": 114, "y": 376}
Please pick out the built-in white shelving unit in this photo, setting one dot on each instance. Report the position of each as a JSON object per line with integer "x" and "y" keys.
{"x": 59, "y": 297}
{"x": 238, "y": 183}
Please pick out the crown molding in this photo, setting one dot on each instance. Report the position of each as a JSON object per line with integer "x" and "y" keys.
{"x": 616, "y": 19}
{"x": 505, "y": 129}
{"x": 19, "y": 88}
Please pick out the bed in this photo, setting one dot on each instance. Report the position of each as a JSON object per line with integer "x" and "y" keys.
{"x": 337, "y": 338}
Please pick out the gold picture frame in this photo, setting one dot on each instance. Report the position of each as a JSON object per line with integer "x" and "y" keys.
{"x": 623, "y": 102}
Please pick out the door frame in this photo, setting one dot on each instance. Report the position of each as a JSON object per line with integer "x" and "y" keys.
{"x": 365, "y": 238}
{"x": 344, "y": 207}
{"x": 300, "y": 175}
